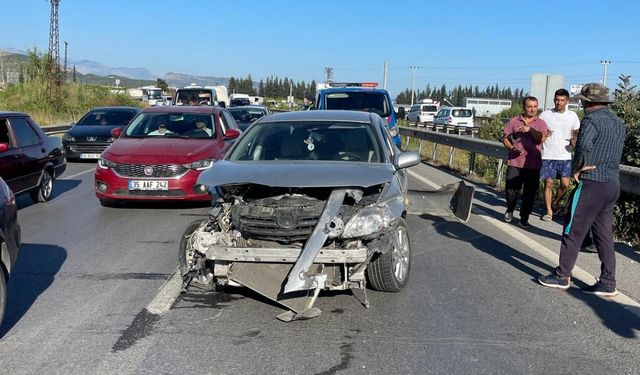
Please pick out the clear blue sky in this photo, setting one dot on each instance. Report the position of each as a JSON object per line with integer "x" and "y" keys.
{"x": 464, "y": 42}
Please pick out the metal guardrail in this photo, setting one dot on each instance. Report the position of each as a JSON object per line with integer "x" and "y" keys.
{"x": 56, "y": 129}
{"x": 629, "y": 176}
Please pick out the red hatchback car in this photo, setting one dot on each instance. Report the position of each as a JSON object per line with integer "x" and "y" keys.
{"x": 161, "y": 153}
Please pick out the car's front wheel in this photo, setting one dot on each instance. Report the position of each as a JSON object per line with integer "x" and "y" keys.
{"x": 389, "y": 272}
{"x": 44, "y": 190}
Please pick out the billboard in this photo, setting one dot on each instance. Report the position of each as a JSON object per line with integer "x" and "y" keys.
{"x": 543, "y": 86}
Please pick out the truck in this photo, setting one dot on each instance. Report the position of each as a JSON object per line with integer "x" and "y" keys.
{"x": 201, "y": 95}
{"x": 239, "y": 100}
{"x": 361, "y": 96}
{"x": 148, "y": 94}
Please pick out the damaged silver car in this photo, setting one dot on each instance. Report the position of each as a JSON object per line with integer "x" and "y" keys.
{"x": 303, "y": 202}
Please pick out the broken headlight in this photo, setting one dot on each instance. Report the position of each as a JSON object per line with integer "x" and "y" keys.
{"x": 367, "y": 221}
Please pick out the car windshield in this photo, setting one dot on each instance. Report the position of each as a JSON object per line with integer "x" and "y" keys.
{"x": 429, "y": 108}
{"x": 183, "y": 125}
{"x": 107, "y": 117}
{"x": 317, "y": 140}
{"x": 193, "y": 97}
{"x": 246, "y": 114}
{"x": 462, "y": 113}
{"x": 375, "y": 102}
{"x": 241, "y": 101}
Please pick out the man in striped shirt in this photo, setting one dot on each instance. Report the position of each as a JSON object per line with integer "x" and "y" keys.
{"x": 596, "y": 168}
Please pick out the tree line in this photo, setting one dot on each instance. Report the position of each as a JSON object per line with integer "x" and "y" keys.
{"x": 273, "y": 87}
{"x": 457, "y": 94}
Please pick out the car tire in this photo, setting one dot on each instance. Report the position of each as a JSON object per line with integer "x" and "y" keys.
{"x": 389, "y": 271}
{"x": 45, "y": 188}
{"x": 183, "y": 256}
{"x": 3, "y": 293}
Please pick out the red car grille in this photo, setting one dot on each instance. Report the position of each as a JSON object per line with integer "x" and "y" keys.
{"x": 160, "y": 170}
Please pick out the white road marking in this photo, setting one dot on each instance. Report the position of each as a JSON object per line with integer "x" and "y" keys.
{"x": 417, "y": 176}
{"x": 577, "y": 272}
{"x": 167, "y": 294}
{"x": 77, "y": 174}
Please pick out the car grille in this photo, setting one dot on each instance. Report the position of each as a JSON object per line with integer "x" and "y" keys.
{"x": 160, "y": 170}
{"x": 151, "y": 193}
{"x": 89, "y": 148}
{"x": 286, "y": 220}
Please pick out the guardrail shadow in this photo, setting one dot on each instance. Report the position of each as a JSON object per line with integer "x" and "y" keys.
{"x": 615, "y": 316}
{"x": 31, "y": 275}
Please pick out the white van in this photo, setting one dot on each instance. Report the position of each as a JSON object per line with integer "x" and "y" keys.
{"x": 202, "y": 95}
{"x": 423, "y": 112}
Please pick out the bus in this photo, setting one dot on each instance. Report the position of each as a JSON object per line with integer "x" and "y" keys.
{"x": 485, "y": 106}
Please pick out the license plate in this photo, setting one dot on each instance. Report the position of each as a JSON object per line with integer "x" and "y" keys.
{"x": 148, "y": 185}
{"x": 89, "y": 156}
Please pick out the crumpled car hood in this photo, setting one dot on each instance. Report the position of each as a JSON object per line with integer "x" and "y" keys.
{"x": 297, "y": 173}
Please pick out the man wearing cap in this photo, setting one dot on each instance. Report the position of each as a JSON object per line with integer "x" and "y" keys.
{"x": 522, "y": 136}
{"x": 596, "y": 169}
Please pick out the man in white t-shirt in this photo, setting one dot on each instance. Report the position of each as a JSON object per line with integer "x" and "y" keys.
{"x": 563, "y": 127}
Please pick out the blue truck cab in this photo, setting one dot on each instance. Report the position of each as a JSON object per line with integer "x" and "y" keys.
{"x": 360, "y": 97}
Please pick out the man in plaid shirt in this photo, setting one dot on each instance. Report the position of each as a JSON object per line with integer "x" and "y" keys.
{"x": 596, "y": 168}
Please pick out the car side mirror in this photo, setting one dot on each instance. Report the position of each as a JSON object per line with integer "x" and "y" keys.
{"x": 401, "y": 113}
{"x": 116, "y": 133}
{"x": 4, "y": 147}
{"x": 231, "y": 134}
{"x": 407, "y": 159}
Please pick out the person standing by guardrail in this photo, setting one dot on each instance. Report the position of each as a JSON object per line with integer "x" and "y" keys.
{"x": 556, "y": 150}
{"x": 596, "y": 169}
{"x": 522, "y": 136}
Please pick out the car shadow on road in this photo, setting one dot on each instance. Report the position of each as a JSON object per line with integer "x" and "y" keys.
{"x": 32, "y": 274}
{"x": 59, "y": 188}
{"x": 615, "y": 316}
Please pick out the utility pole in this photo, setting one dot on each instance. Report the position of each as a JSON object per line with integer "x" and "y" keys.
{"x": 604, "y": 78}
{"x": 413, "y": 83}
{"x": 384, "y": 79}
{"x": 66, "y": 45}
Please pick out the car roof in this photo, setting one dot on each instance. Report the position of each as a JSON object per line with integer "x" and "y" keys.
{"x": 106, "y": 108}
{"x": 247, "y": 107}
{"x": 206, "y": 109}
{"x": 320, "y": 115}
{"x": 12, "y": 114}
{"x": 455, "y": 108}
{"x": 354, "y": 89}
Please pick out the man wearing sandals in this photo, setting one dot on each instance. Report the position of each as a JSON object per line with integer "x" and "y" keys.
{"x": 556, "y": 150}
{"x": 596, "y": 168}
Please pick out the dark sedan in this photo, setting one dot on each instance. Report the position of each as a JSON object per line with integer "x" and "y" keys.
{"x": 9, "y": 240}
{"x": 246, "y": 115}
{"x": 29, "y": 159}
{"x": 92, "y": 134}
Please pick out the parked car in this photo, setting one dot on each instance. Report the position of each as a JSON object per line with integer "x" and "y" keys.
{"x": 9, "y": 240}
{"x": 422, "y": 113}
{"x": 91, "y": 135}
{"x": 309, "y": 200}
{"x": 456, "y": 116}
{"x": 161, "y": 153}
{"x": 30, "y": 160}
{"x": 246, "y": 115}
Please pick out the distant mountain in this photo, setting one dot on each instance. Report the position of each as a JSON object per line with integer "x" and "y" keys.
{"x": 181, "y": 80}
{"x": 92, "y": 67}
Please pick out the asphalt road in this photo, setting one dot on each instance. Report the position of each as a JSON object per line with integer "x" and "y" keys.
{"x": 93, "y": 292}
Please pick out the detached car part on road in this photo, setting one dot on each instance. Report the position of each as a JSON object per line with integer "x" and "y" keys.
{"x": 306, "y": 201}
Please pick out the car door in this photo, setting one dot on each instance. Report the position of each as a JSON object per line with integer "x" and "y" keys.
{"x": 10, "y": 160}
{"x": 32, "y": 151}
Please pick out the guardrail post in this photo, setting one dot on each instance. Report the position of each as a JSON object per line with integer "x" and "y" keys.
{"x": 420, "y": 149}
{"x": 472, "y": 162}
{"x": 408, "y": 141}
{"x": 434, "y": 154}
{"x": 499, "y": 172}
{"x": 451, "y": 151}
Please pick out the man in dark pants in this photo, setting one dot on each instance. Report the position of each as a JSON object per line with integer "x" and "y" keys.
{"x": 596, "y": 169}
{"x": 523, "y": 136}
